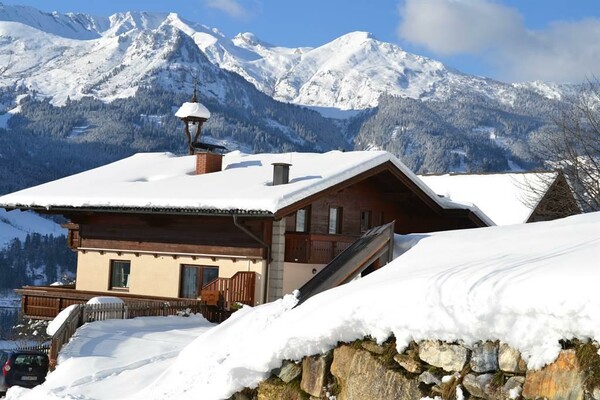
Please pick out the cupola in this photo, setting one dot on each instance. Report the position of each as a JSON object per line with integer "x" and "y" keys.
{"x": 193, "y": 113}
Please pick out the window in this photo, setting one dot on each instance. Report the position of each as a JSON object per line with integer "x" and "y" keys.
{"x": 194, "y": 278}
{"x": 365, "y": 221}
{"x": 302, "y": 216}
{"x": 335, "y": 220}
{"x": 119, "y": 274}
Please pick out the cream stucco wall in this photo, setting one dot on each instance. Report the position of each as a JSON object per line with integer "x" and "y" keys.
{"x": 156, "y": 275}
{"x": 296, "y": 274}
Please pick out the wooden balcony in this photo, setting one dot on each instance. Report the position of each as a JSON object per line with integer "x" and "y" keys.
{"x": 45, "y": 302}
{"x": 311, "y": 248}
{"x": 240, "y": 288}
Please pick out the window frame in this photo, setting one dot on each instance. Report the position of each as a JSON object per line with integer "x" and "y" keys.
{"x": 306, "y": 220}
{"x": 367, "y": 224}
{"x": 199, "y": 284}
{"x": 111, "y": 276}
{"x": 337, "y": 223}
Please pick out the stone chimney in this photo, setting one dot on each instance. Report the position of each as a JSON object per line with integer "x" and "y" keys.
{"x": 207, "y": 162}
{"x": 281, "y": 173}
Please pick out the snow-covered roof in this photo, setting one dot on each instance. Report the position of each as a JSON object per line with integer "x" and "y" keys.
{"x": 192, "y": 109}
{"x": 165, "y": 181}
{"x": 507, "y": 198}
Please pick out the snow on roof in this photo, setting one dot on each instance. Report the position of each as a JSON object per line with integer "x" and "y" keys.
{"x": 166, "y": 181}
{"x": 193, "y": 109}
{"x": 505, "y": 198}
{"x": 466, "y": 285}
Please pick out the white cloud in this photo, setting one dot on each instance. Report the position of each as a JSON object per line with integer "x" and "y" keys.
{"x": 230, "y": 7}
{"x": 562, "y": 51}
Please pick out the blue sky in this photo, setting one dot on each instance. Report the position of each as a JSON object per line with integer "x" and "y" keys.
{"x": 511, "y": 40}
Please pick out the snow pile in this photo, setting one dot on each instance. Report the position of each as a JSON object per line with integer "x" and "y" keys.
{"x": 116, "y": 358}
{"x": 105, "y": 300}
{"x": 527, "y": 285}
{"x": 57, "y": 322}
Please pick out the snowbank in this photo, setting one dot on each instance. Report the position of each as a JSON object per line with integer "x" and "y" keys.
{"x": 527, "y": 285}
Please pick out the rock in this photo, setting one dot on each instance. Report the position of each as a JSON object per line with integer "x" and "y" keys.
{"x": 450, "y": 357}
{"x": 513, "y": 387}
{"x": 408, "y": 363}
{"x": 288, "y": 371}
{"x": 484, "y": 357}
{"x": 562, "y": 379}
{"x": 314, "y": 373}
{"x": 429, "y": 378}
{"x": 361, "y": 376}
{"x": 373, "y": 347}
{"x": 479, "y": 385}
{"x": 509, "y": 360}
{"x": 275, "y": 389}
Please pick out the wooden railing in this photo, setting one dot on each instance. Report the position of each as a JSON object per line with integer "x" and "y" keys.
{"x": 313, "y": 248}
{"x": 45, "y": 302}
{"x": 240, "y": 288}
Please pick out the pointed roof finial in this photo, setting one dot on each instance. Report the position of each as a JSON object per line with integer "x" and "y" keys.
{"x": 195, "y": 96}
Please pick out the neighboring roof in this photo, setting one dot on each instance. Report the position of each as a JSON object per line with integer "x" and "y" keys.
{"x": 163, "y": 181}
{"x": 192, "y": 109}
{"x": 507, "y": 198}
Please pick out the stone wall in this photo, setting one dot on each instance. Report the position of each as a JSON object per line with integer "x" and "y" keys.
{"x": 364, "y": 370}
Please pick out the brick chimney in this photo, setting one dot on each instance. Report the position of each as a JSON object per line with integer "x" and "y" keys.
{"x": 207, "y": 162}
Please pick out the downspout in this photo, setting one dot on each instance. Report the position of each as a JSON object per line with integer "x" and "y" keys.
{"x": 263, "y": 244}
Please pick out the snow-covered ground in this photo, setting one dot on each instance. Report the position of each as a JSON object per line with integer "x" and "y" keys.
{"x": 527, "y": 285}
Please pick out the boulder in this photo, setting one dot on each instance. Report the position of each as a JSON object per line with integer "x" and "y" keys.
{"x": 288, "y": 371}
{"x": 513, "y": 387}
{"x": 314, "y": 373}
{"x": 479, "y": 385}
{"x": 275, "y": 389}
{"x": 430, "y": 378}
{"x": 449, "y": 357}
{"x": 484, "y": 357}
{"x": 373, "y": 347}
{"x": 509, "y": 360}
{"x": 563, "y": 379}
{"x": 360, "y": 375}
{"x": 408, "y": 363}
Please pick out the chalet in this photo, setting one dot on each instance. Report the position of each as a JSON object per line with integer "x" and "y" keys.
{"x": 509, "y": 198}
{"x": 239, "y": 227}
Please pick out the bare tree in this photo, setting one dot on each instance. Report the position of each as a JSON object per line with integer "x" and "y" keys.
{"x": 574, "y": 146}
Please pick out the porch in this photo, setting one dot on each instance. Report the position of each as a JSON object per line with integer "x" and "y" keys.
{"x": 312, "y": 248}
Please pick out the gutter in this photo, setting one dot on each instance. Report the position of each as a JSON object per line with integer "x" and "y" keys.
{"x": 237, "y": 223}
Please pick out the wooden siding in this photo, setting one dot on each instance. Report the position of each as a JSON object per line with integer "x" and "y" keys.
{"x": 167, "y": 233}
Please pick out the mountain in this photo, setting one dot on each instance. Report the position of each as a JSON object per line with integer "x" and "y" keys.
{"x": 81, "y": 84}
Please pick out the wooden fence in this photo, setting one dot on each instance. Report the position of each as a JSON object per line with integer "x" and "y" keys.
{"x": 83, "y": 313}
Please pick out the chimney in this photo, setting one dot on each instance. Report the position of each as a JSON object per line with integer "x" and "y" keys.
{"x": 207, "y": 162}
{"x": 281, "y": 173}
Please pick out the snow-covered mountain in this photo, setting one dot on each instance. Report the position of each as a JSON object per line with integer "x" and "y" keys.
{"x": 17, "y": 225}
{"x": 77, "y": 55}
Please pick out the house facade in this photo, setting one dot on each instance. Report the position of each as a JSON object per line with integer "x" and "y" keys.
{"x": 254, "y": 226}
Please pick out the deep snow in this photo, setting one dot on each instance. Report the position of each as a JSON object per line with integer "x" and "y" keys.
{"x": 527, "y": 285}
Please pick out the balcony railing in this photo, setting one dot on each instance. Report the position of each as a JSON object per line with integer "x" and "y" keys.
{"x": 240, "y": 288}
{"x": 311, "y": 248}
